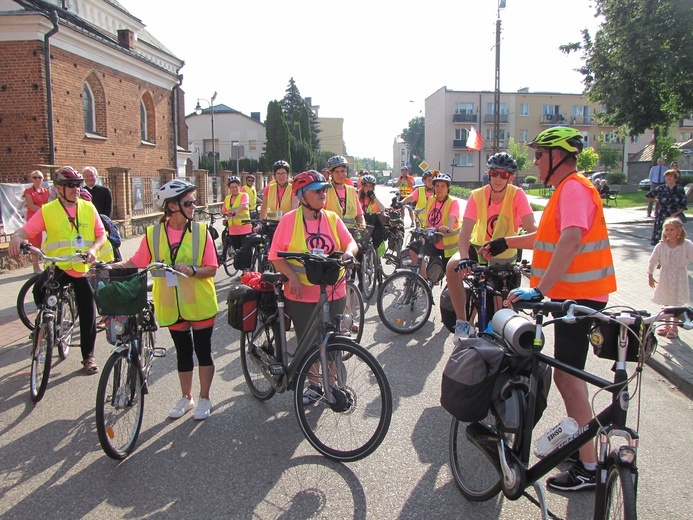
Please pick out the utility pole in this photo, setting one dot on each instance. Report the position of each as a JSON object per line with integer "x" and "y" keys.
{"x": 496, "y": 94}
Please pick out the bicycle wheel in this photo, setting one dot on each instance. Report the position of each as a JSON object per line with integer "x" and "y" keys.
{"x": 41, "y": 357}
{"x": 255, "y": 354}
{"x": 367, "y": 273}
{"x": 356, "y": 423}
{"x": 404, "y": 302}
{"x": 227, "y": 257}
{"x": 620, "y": 493}
{"x": 65, "y": 321}
{"x": 354, "y": 313}
{"x": 26, "y": 308}
{"x": 119, "y": 405}
{"x": 391, "y": 259}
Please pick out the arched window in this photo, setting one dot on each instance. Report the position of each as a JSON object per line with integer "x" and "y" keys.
{"x": 94, "y": 107}
{"x": 147, "y": 119}
{"x": 143, "y": 121}
{"x": 89, "y": 110}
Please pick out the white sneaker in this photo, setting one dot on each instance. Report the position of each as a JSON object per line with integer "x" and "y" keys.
{"x": 462, "y": 331}
{"x": 182, "y": 407}
{"x": 204, "y": 408}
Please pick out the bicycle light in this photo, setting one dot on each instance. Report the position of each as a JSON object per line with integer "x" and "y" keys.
{"x": 627, "y": 455}
{"x": 52, "y": 300}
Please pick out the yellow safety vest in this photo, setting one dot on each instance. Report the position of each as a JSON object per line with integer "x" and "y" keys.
{"x": 299, "y": 241}
{"x": 192, "y": 299}
{"x": 348, "y": 215}
{"x": 61, "y": 233}
{"x": 284, "y": 204}
{"x": 403, "y": 185}
{"x": 240, "y": 216}
{"x": 450, "y": 238}
{"x": 421, "y": 202}
{"x": 252, "y": 196}
{"x": 505, "y": 224}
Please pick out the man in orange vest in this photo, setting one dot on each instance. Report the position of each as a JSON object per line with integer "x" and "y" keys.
{"x": 571, "y": 261}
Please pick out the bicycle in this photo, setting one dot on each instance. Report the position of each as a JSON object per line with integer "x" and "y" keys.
{"x": 54, "y": 323}
{"x": 405, "y": 298}
{"x": 394, "y": 235}
{"x": 491, "y": 455}
{"x": 225, "y": 258}
{"x": 368, "y": 270}
{"x": 260, "y": 244}
{"x": 130, "y": 327}
{"x": 352, "y": 416}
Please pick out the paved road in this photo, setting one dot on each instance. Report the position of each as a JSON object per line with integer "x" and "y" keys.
{"x": 249, "y": 459}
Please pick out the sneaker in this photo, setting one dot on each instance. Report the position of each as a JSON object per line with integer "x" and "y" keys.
{"x": 204, "y": 408}
{"x": 462, "y": 331}
{"x": 312, "y": 395}
{"x": 182, "y": 407}
{"x": 577, "y": 478}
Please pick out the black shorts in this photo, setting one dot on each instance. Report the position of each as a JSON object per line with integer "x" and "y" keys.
{"x": 571, "y": 341}
{"x": 430, "y": 250}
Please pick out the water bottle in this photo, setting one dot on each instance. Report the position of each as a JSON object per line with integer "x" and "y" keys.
{"x": 555, "y": 436}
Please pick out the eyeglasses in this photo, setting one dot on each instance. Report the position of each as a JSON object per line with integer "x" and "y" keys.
{"x": 320, "y": 190}
{"x": 537, "y": 155}
{"x": 72, "y": 184}
{"x": 189, "y": 203}
{"x": 499, "y": 173}
{"x": 250, "y": 180}
{"x": 37, "y": 178}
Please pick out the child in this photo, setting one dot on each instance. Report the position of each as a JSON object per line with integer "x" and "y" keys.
{"x": 673, "y": 254}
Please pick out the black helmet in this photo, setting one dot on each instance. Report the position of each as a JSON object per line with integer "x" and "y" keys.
{"x": 502, "y": 161}
{"x": 281, "y": 164}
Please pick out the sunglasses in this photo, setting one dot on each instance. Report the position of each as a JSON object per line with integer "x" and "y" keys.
{"x": 189, "y": 203}
{"x": 72, "y": 184}
{"x": 537, "y": 155}
{"x": 37, "y": 178}
{"x": 499, "y": 173}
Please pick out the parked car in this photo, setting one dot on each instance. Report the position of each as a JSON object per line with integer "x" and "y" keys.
{"x": 594, "y": 175}
{"x": 418, "y": 182}
{"x": 355, "y": 180}
{"x": 645, "y": 185}
{"x": 391, "y": 182}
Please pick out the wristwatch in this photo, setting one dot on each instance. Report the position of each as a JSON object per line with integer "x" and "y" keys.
{"x": 194, "y": 270}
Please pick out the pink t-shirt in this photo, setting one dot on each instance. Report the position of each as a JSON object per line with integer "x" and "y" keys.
{"x": 318, "y": 234}
{"x": 435, "y": 216}
{"x": 521, "y": 209}
{"x": 143, "y": 257}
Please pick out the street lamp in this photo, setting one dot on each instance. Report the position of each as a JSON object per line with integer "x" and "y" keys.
{"x": 198, "y": 111}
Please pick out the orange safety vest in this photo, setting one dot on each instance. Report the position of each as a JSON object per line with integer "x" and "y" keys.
{"x": 591, "y": 272}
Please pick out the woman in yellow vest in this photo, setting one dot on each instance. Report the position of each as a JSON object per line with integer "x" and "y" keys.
{"x": 310, "y": 228}
{"x": 495, "y": 210}
{"x": 236, "y": 209}
{"x": 72, "y": 225}
{"x": 250, "y": 189}
{"x": 187, "y": 306}
{"x": 343, "y": 199}
{"x": 419, "y": 197}
{"x": 277, "y": 199}
{"x": 371, "y": 206}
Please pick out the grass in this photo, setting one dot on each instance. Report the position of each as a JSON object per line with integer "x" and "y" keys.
{"x": 624, "y": 200}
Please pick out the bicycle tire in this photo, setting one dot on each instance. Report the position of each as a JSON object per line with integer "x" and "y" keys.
{"x": 119, "y": 405}
{"x": 354, "y": 314}
{"x": 264, "y": 346}
{"x": 367, "y": 272}
{"x": 41, "y": 358}
{"x": 391, "y": 260}
{"x": 404, "y": 302}
{"x": 356, "y": 424}
{"x": 26, "y": 308}
{"x": 227, "y": 258}
{"x": 66, "y": 320}
{"x": 619, "y": 493}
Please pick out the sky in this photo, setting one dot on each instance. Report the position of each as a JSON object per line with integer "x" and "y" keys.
{"x": 370, "y": 62}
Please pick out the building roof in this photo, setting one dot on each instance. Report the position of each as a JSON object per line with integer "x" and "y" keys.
{"x": 224, "y": 109}
{"x": 645, "y": 155}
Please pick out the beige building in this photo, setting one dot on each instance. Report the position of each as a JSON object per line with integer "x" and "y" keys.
{"x": 331, "y": 135}
{"x": 523, "y": 115}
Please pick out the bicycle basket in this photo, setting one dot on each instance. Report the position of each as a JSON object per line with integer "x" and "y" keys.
{"x": 604, "y": 339}
{"x": 116, "y": 293}
{"x": 321, "y": 272}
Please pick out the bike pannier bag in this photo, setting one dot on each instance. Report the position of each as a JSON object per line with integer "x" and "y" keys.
{"x": 242, "y": 302}
{"x": 447, "y": 311}
{"x": 469, "y": 377}
{"x": 243, "y": 257}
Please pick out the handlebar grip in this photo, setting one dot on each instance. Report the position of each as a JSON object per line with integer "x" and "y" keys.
{"x": 558, "y": 307}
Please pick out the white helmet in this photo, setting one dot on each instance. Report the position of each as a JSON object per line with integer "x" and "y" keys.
{"x": 172, "y": 190}
{"x": 442, "y": 177}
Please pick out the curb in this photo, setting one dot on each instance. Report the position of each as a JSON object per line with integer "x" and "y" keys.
{"x": 663, "y": 364}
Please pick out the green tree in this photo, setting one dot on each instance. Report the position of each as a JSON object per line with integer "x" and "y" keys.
{"x": 609, "y": 155}
{"x": 666, "y": 149}
{"x": 639, "y": 64}
{"x": 587, "y": 159}
{"x": 277, "y": 135}
{"x": 519, "y": 152}
{"x": 292, "y": 105}
{"x": 414, "y": 135}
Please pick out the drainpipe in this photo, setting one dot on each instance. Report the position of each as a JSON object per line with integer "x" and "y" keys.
{"x": 174, "y": 102}
{"x": 49, "y": 94}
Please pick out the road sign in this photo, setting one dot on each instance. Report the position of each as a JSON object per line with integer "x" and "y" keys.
{"x": 423, "y": 166}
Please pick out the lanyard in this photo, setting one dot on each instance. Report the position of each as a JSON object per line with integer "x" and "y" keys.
{"x": 74, "y": 222}
{"x": 280, "y": 197}
{"x": 173, "y": 250}
{"x": 305, "y": 226}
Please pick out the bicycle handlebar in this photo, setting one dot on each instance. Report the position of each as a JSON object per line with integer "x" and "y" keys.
{"x": 26, "y": 248}
{"x": 332, "y": 258}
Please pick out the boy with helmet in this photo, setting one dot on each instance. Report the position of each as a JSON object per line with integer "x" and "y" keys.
{"x": 495, "y": 210}
{"x": 237, "y": 213}
{"x": 276, "y": 197}
{"x": 343, "y": 199}
{"x": 249, "y": 188}
{"x": 72, "y": 225}
{"x": 421, "y": 194}
{"x": 187, "y": 306}
{"x": 571, "y": 261}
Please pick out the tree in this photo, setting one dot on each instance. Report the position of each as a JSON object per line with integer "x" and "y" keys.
{"x": 414, "y": 136}
{"x": 277, "y": 135}
{"x": 665, "y": 148}
{"x": 587, "y": 159}
{"x": 609, "y": 157}
{"x": 519, "y": 152}
{"x": 292, "y": 105}
{"x": 639, "y": 64}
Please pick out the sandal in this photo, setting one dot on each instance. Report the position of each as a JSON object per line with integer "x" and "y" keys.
{"x": 90, "y": 367}
{"x": 663, "y": 331}
{"x": 672, "y": 334}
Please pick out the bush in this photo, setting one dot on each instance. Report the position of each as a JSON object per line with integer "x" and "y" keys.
{"x": 616, "y": 178}
{"x": 530, "y": 179}
{"x": 460, "y": 192}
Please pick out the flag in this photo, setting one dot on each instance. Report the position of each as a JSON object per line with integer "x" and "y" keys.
{"x": 501, "y": 4}
{"x": 474, "y": 140}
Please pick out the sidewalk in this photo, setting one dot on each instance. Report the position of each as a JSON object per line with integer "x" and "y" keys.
{"x": 630, "y": 234}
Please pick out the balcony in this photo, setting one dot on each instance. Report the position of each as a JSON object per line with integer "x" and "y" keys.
{"x": 464, "y": 118}
{"x": 459, "y": 143}
{"x": 488, "y": 118}
{"x": 686, "y": 122}
{"x": 581, "y": 121}
{"x": 552, "y": 119}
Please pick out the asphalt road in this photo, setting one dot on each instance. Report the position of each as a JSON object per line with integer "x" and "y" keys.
{"x": 249, "y": 459}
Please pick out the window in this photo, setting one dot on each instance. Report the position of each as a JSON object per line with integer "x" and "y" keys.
{"x": 524, "y": 109}
{"x": 551, "y": 109}
{"x": 207, "y": 148}
{"x": 143, "y": 121}
{"x": 502, "y": 134}
{"x": 524, "y": 135}
{"x": 147, "y": 119}
{"x": 464, "y": 108}
{"x": 252, "y": 144}
{"x": 464, "y": 159}
{"x": 89, "y": 110}
{"x": 501, "y": 108}
{"x": 581, "y": 111}
{"x": 461, "y": 134}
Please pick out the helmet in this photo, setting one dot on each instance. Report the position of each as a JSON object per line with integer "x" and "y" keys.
{"x": 172, "y": 190}
{"x": 404, "y": 169}
{"x": 364, "y": 172}
{"x": 336, "y": 160}
{"x": 250, "y": 176}
{"x": 310, "y": 180}
{"x": 84, "y": 194}
{"x": 502, "y": 161}
{"x": 67, "y": 174}
{"x": 281, "y": 164}
{"x": 233, "y": 179}
{"x": 561, "y": 137}
{"x": 442, "y": 177}
{"x": 368, "y": 178}
{"x": 426, "y": 174}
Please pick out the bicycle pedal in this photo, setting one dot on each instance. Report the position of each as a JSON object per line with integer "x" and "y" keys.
{"x": 276, "y": 369}
{"x": 159, "y": 352}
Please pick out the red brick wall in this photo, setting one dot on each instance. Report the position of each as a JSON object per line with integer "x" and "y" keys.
{"x": 23, "y": 127}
